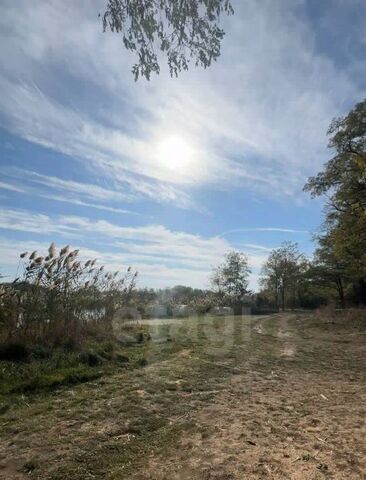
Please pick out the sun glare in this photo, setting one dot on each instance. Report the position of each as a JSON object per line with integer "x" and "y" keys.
{"x": 175, "y": 153}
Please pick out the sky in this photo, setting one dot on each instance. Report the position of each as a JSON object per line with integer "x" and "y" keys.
{"x": 169, "y": 175}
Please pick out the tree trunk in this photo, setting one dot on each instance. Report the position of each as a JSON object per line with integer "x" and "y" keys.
{"x": 276, "y": 295}
{"x": 277, "y": 301}
{"x": 340, "y": 292}
{"x": 283, "y": 299}
{"x": 362, "y": 291}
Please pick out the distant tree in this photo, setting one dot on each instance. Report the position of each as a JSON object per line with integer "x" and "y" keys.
{"x": 203, "y": 303}
{"x": 343, "y": 181}
{"x": 181, "y": 294}
{"x": 230, "y": 279}
{"x": 143, "y": 297}
{"x": 282, "y": 272}
{"x": 182, "y": 30}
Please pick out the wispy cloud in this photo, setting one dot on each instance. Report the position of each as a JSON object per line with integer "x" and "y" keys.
{"x": 156, "y": 274}
{"x": 75, "y": 193}
{"x": 256, "y": 121}
{"x": 11, "y": 187}
{"x": 149, "y": 248}
{"x": 31, "y": 114}
{"x": 86, "y": 194}
{"x": 75, "y": 201}
{"x": 84, "y": 189}
{"x": 257, "y": 118}
{"x": 256, "y": 247}
{"x": 262, "y": 229}
{"x": 38, "y": 223}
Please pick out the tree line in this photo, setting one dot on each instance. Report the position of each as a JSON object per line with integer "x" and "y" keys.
{"x": 337, "y": 272}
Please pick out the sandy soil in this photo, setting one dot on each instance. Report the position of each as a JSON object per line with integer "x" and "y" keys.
{"x": 282, "y": 424}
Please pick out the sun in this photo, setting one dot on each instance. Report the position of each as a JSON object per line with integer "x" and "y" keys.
{"x": 175, "y": 153}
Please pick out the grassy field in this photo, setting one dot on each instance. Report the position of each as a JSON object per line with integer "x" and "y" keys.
{"x": 277, "y": 397}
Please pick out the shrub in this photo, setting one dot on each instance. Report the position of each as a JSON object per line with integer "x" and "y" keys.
{"x": 140, "y": 337}
{"x": 13, "y": 351}
{"x": 91, "y": 358}
{"x": 122, "y": 358}
{"x": 142, "y": 362}
{"x": 40, "y": 352}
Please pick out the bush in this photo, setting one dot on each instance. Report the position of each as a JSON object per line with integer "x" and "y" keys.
{"x": 142, "y": 362}
{"x": 90, "y": 358}
{"x": 13, "y": 351}
{"x": 122, "y": 358}
{"x": 40, "y": 352}
{"x": 140, "y": 337}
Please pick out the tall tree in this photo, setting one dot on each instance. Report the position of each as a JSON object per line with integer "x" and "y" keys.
{"x": 230, "y": 279}
{"x": 282, "y": 271}
{"x": 343, "y": 181}
{"x": 328, "y": 269}
{"x": 183, "y": 30}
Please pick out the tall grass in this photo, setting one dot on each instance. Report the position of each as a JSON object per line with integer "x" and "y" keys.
{"x": 59, "y": 301}
{"x": 350, "y": 319}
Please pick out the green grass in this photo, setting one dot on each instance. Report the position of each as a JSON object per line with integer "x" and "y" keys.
{"x": 148, "y": 399}
{"x": 44, "y": 370}
{"x": 107, "y": 428}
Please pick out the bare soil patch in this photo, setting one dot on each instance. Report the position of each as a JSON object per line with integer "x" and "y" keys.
{"x": 279, "y": 398}
{"x": 282, "y": 427}
{"x": 303, "y": 419}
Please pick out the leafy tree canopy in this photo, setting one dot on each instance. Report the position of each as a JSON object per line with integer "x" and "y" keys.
{"x": 282, "y": 271}
{"x": 343, "y": 180}
{"x": 231, "y": 277}
{"x": 344, "y": 175}
{"x": 183, "y": 30}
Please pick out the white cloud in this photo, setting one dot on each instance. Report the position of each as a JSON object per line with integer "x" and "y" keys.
{"x": 75, "y": 193}
{"x": 11, "y": 187}
{"x": 39, "y": 119}
{"x": 21, "y": 220}
{"x": 81, "y": 193}
{"x": 156, "y": 275}
{"x": 75, "y": 201}
{"x": 84, "y": 189}
{"x": 257, "y": 118}
{"x": 162, "y": 256}
{"x": 262, "y": 229}
{"x": 256, "y": 247}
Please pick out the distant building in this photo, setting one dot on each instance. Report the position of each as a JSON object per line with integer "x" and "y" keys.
{"x": 221, "y": 311}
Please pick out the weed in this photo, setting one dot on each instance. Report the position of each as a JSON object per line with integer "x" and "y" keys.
{"x": 142, "y": 362}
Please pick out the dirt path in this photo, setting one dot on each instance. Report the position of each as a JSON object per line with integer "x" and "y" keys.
{"x": 283, "y": 429}
{"x": 281, "y": 397}
{"x": 282, "y": 424}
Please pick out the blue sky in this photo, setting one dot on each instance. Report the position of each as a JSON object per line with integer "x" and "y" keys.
{"x": 169, "y": 175}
